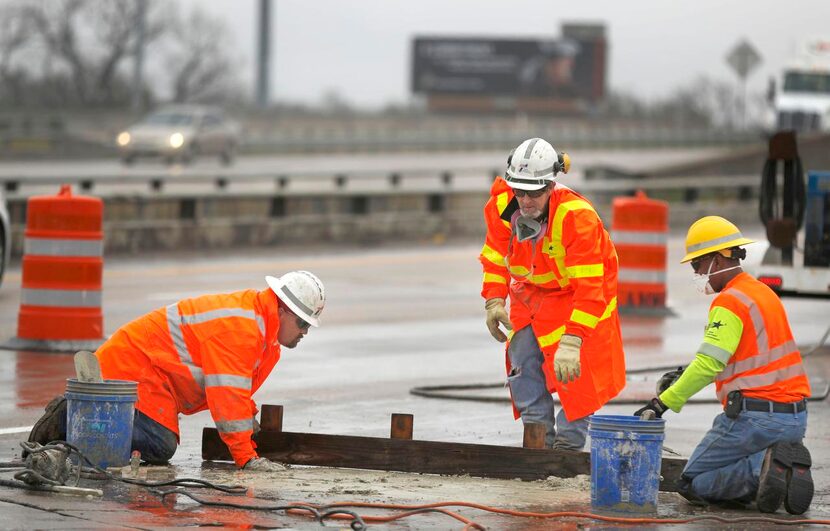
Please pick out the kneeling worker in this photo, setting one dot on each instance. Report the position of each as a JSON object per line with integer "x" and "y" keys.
{"x": 211, "y": 352}
{"x": 754, "y": 450}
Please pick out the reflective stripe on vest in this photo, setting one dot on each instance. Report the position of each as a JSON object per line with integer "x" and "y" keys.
{"x": 492, "y": 255}
{"x": 641, "y": 276}
{"x": 762, "y": 358}
{"x": 174, "y": 324}
{"x": 502, "y": 200}
{"x": 551, "y": 338}
{"x": 60, "y": 247}
{"x": 492, "y": 277}
{"x": 633, "y": 237}
{"x": 760, "y": 380}
{"x": 199, "y": 318}
{"x": 228, "y": 380}
{"x": 70, "y": 298}
{"x": 235, "y": 426}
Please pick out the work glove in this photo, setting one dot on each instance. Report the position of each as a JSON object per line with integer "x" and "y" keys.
{"x": 668, "y": 379}
{"x": 260, "y": 464}
{"x": 566, "y": 359}
{"x": 655, "y": 405}
{"x": 496, "y": 314}
{"x": 257, "y": 429}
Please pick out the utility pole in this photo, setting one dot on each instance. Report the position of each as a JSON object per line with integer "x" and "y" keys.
{"x": 263, "y": 54}
{"x": 138, "y": 54}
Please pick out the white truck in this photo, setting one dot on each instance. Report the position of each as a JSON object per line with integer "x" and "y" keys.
{"x": 803, "y": 101}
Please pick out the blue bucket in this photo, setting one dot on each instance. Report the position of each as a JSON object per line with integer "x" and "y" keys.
{"x": 99, "y": 419}
{"x": 625, "y": 462}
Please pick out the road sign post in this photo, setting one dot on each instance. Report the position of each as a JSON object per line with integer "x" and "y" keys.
{"x": 743, "y": 58}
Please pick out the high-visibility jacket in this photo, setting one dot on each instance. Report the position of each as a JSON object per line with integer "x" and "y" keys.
{"x": 564, "y": 282}
{"x": 766, "y": 363}
{"x": 210, "y": 352}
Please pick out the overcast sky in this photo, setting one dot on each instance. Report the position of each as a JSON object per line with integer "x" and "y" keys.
{"x": 361, "y": 49}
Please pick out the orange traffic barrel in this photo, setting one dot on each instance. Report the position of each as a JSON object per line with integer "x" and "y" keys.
{"x": 639, "y": 231}
{"x": 60, "y": 306}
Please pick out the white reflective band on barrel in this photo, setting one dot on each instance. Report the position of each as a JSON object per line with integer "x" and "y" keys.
{"x": 60, "y": 247}
{"x": 61, "y": 297}
{"x": 174, "y": 324}
{"x": 761, "y": 380}
{"x": 235, "y": 426}
{"x": 641, "y": 276}
{"x": 227, "y": 380}
{"x": 755, "y": 315}
{"x": 634, "y": 237}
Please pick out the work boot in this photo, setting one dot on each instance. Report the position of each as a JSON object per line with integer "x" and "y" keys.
{"x": 51, "y": 426}
{"x": 684, "y": 488}
{"x": 799, "y": 480}
{"x": 772, "y": 486}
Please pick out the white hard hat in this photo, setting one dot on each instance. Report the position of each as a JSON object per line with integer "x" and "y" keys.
{"x": 534, "y": 163}
{"x": 302, "y": 292}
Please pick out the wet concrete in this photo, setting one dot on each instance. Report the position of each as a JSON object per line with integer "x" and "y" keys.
{"x": 397, "y": 318}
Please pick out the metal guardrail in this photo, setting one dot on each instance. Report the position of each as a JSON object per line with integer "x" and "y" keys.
{"x": 153, "y": 183}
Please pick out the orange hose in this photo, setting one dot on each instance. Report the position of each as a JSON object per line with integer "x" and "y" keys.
{"x": 574, "y": 514}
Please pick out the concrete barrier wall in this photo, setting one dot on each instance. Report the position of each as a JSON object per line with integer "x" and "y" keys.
{"x": 139, "y": 224}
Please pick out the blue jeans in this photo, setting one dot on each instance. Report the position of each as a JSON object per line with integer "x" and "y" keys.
{"x": 156, "y": 443}
{"x": 726, "y": 465}
{"x": 531, "y": 396}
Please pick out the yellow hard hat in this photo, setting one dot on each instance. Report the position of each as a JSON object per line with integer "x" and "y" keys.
{"x": 712, "y": 234}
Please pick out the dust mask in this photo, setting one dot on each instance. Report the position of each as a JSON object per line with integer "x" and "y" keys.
{"x": 527, "y": 228}
{"x": 701, "y": 281}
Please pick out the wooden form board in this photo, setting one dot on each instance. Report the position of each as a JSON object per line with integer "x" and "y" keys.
{"x": 406, "y": 455}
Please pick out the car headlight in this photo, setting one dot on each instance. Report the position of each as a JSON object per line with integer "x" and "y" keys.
{"x": 176, "y": 140}
{"x": 123, "y": 138}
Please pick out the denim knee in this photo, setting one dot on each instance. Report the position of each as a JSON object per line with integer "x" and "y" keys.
{"x": 156, "y": 443}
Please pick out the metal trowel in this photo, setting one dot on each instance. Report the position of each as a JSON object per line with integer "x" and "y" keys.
{"x": 87, "y": 368}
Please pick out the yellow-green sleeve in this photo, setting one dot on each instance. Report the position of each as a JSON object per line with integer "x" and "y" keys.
{"x": 700, "y": 373}
{"x": 720, "y": 340}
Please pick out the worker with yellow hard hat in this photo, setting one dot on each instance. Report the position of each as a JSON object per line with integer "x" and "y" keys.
{"x": 754, "y": 451}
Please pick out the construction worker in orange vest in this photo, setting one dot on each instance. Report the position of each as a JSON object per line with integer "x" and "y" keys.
{"x": 548, "y": 253}
{"x": 211, "y": 352}
{"x": 754, "y": 451}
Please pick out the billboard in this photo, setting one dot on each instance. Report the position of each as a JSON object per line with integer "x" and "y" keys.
{"x": 567, "y": 68}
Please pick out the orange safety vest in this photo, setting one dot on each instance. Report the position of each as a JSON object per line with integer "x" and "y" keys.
{"x": 767, "y": 364}
{"x": 564, "y": 283}
{"x": 211, "y": 352}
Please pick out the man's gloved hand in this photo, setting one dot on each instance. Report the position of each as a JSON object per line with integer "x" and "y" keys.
{"x": 496, "y": 313}
{"x": 654, "y": 405}
{"x": 257, "y": 429}
{"x": 566, "y": 359}
{"x": 668, "y": 379}
{"x": 260, "y": 464}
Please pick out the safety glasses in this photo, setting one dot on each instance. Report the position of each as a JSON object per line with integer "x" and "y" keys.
{"x": 698, "y": 262}
{"x": 302, "y": 324}
{"x": 533, "y": 194}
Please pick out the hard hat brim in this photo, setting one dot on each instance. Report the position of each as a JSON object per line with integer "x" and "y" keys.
{"x": 737, "y": 242}
{"x": 519, "y": 185}
{"x": 288, "y": 299}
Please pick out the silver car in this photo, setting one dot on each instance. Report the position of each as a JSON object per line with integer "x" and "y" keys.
{"x": 5, "y": 237}
{"x": 180, "y": 133}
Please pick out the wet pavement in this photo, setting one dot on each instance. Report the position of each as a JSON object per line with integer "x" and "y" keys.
{"x": 397, "y": 318}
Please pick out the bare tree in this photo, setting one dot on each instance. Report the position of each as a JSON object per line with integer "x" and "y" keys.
{"x": 198, "y": 59}
{"x": 15, "y": 35}
{"x": 80, "y": 46}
